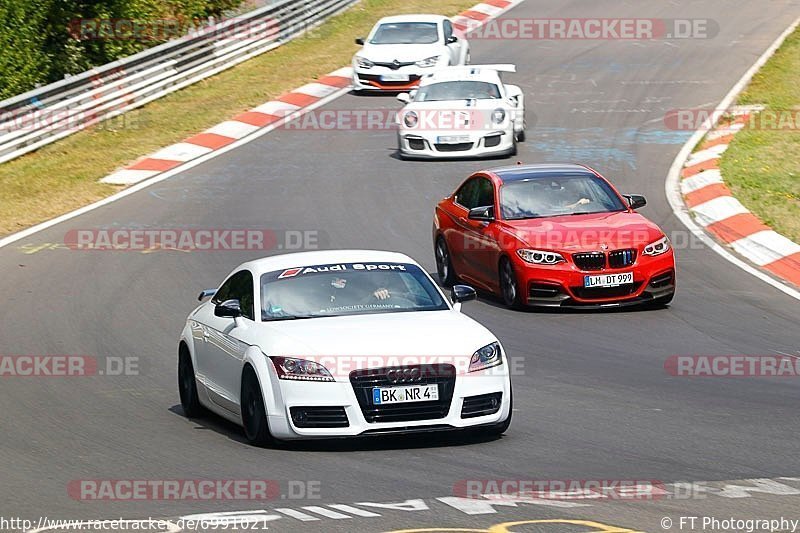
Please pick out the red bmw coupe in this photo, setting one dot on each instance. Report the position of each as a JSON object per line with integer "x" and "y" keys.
{"x": 552, "y": 235}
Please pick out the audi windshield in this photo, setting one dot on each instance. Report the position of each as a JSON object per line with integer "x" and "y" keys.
{"x": 347, "y": 289}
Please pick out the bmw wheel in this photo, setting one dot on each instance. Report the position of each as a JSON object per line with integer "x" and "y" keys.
{"x": 444, "y": 265}
{"x": 509, "y": 288}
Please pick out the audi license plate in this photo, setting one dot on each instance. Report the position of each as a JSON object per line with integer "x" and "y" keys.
{"x": 608, "y": 280}
{"x": 411, "y": 393}
{"x": 395, "y": 77}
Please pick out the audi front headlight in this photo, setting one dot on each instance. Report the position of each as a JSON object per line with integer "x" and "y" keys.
{"x": 300, "y": 369}
{"x": 410, "y": 119}
{"x": 487, "y": 357}
{"x": 363, "y": 62}
{"x": 540, "y": 257}
{"x": 428, "y": 62}
{"x": 661, "y": 246}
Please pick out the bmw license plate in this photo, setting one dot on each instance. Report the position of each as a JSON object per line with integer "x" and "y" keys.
{"x": 452, "y": 139}
{"x": 395, "y": 77}
{"x": 608, "y": 280}
{"x": 411, "y": 393}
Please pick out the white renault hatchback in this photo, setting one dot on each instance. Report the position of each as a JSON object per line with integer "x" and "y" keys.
{"x": 401, "y": 49}
{"x": 338, "y": 344}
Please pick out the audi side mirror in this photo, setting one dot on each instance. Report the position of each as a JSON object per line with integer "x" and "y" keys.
{"x": 228, "y": 308}
{"x": 463, "y": 293}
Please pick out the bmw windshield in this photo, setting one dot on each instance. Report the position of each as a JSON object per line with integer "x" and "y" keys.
{"x": 457, "y": 90}
{"x": 550, "y": 196}
{"x": 347, "y": 289}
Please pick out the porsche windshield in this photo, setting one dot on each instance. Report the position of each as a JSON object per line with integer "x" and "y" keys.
{"x": 458, "y": 90}
{"x": 347, "y": 289}
{"x": 406, "y": 33}
{"x": 555, "y": 196}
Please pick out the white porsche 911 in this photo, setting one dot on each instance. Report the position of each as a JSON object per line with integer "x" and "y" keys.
{"x": 462, "y": 111}
{"x": 401, "y": 49}
{"x": 338, "y": 344}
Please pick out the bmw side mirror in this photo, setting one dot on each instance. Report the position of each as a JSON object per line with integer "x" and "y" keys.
{"x": 404, "y": 97}
{"x": 463, "y": 293}
{"x": 228, "y": 308}
{"x": 485, "y": 213}
{"x": 452, "y": 39}
{"x": 360, "y": 41}
{"x": 636, "y": 200}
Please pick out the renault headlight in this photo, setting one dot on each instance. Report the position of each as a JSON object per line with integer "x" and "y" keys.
{"x": 363, "y": 62}
{"x": 428, "y": 62}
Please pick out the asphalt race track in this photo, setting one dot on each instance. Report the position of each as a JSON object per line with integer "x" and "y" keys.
{"x": 593, "y": 401}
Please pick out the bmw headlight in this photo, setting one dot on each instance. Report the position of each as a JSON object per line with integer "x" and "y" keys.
{"x": 661, "y": 246}
{"x": 487, "y": 357}
{"x": 410, "y": 119}
{"x": 300, "y": 369}
{"x": 363, "y": 62}
{"x": 428, "y": 62}
{"x": 498, "y": 116}
{"x": 540, "y": 257}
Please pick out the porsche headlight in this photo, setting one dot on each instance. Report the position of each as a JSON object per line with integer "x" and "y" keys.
{"x": 661, "y": 246}
{"x": 540, "y": 257}
{"x": 300, "y": 369}
{"x": 410, "y": 119}
{"x": 363, "y": 62}
{"x": 498, "y": 116}
{"x": 487, "y": 357}
{"x": 428, "y": 62}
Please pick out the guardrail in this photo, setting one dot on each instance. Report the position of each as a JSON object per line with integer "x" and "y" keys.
{"x": 47, "y": 114}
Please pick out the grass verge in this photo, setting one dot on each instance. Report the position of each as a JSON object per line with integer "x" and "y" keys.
{"x": 64, "y": 175}
{"x": 762, "y": 164}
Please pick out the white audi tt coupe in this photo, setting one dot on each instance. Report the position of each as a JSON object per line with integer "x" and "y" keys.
{"x": 338, "y": 344}
{"x": 401, "y": 49}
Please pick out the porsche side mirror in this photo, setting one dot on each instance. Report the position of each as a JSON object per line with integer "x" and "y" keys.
{"x": 463, "y": 293}
{"x": 404, "y": 97}
{"x": 228, "y": 308}
{"x": 360, "y": 41}
{"x": 485, "y": 213}
{"x": 452, "y": 39}
{"x": 636, "y": 200}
